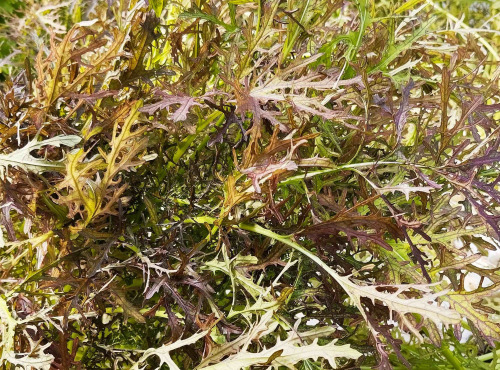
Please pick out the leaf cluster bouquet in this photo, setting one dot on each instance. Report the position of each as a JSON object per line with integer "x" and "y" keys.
{"x": 208, "y": 184}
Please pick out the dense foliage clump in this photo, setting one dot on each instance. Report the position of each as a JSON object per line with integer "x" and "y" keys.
{"x": 249, "y": 184}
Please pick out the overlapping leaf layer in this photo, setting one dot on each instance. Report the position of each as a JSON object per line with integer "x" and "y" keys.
{"x": 250, "y": 184}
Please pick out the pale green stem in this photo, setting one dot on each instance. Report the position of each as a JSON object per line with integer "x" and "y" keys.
{"x": 488, "y": 356}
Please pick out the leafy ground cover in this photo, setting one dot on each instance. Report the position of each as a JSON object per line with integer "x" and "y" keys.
{"x": 249, "y": 184}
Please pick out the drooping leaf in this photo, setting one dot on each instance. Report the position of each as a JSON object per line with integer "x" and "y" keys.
{"x": 23, "y": 159}
{"x": 285, "y": 354}
{"x": 295, "y": 348}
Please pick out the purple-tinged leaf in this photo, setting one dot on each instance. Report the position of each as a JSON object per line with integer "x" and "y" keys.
{"x": 180, "y": 114}
{"x": 364, "y": 229}
{"x": 261, "y": 173}
{"x": 230, "y": 118}
{"x": 401, "y": 115}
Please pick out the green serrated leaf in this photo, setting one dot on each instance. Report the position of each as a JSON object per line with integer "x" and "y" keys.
{"x": 394, "y": 50}
{"x": 196, "y": 13}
